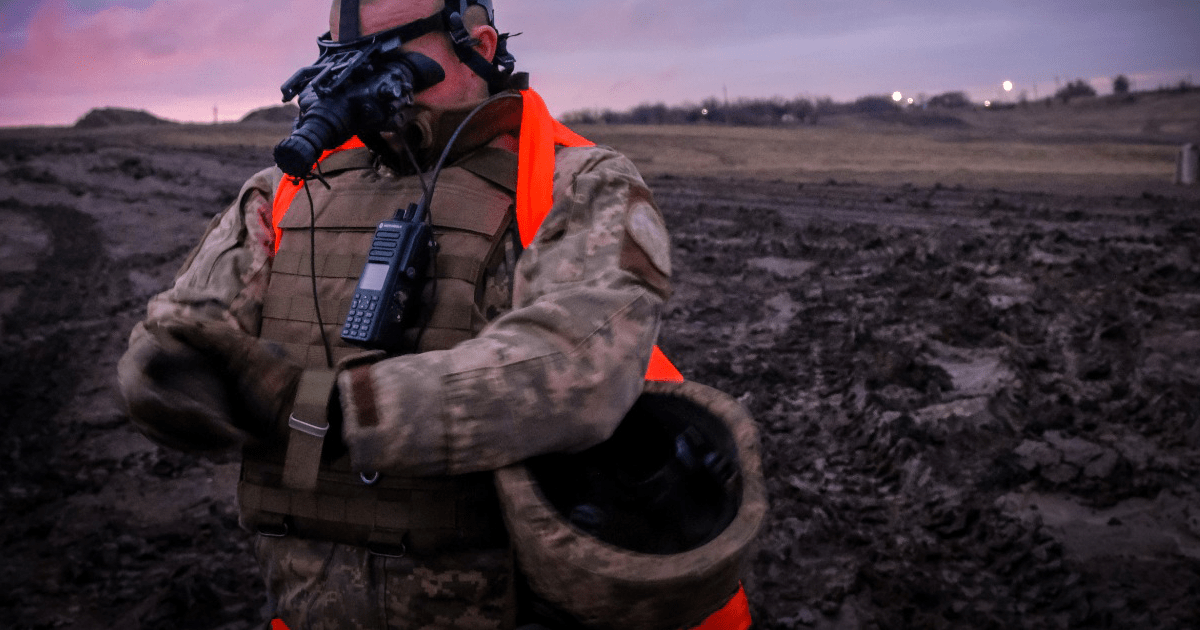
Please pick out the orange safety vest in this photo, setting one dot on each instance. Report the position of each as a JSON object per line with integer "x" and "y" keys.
{"x": 540, "y": 133}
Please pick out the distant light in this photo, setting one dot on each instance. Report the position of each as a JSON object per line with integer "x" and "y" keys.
{"x": 987, "y": 103}
{"x": 704, "y": 112}
{"x": 1008, "y": 86}
{"x": 896, "y": 96}
{"x": 910, "y": 101}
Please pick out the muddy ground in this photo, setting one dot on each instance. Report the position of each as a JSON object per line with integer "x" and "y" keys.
{"x": 978, "y": 407}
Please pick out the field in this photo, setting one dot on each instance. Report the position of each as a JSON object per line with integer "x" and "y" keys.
{"x": 972, "y": 347}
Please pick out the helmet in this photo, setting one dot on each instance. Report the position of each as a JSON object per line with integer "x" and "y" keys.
{"x": 649, "y": 529}
{"x": 450, "y": 20}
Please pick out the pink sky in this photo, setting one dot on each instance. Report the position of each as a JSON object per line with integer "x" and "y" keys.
{"x": 177, "y": 58}
{"x": 180, "y": 58}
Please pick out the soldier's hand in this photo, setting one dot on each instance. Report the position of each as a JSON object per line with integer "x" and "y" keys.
{"x": 174, "y": 394}
{"x": 263, "y": 377}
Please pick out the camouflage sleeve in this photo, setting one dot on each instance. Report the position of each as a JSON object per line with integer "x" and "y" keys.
{"x": 555, "y": 374}
{"x": 168, "y": 390}
{"x": 225, "y": 276}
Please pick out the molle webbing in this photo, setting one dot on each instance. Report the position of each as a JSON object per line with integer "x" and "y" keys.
{"x": 471, "y": 213}
{"x": 469, "y": 218}
{"x": 425, "y": 515}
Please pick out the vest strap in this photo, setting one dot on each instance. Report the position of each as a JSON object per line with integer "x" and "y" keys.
{"x": 308, "y": 425}
{"x": 348, "y": 27}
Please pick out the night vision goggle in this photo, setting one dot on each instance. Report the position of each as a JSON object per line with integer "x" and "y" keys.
{"x": 360, "y": 83}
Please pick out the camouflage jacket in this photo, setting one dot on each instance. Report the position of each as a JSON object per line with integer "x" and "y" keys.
{"x": 555, "y": 373}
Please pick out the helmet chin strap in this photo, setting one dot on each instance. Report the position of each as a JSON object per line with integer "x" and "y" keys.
{"x": 495, "y": 71}
{"x": 348, "y": 24}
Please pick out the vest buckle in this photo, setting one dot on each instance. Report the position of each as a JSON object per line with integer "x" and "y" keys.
{"x": 398, "y": 550}
{"x": 272, "y": 531}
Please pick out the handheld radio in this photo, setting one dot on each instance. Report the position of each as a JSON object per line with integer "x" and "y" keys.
{"x": 386, "y": 301}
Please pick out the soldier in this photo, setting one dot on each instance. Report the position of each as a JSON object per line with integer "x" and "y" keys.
{"x": 368, "y": 474}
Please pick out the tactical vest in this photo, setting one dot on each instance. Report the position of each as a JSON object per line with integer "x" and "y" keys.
{"x": 472, "y": 216}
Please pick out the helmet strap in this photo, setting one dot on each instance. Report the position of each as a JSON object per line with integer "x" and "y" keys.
{"x": 349, "y": 28}
{"x": 495, "y": 72}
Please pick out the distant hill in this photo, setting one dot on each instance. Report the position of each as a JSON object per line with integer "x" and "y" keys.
{"x": 117, "y": 117}
{"x": 278, "y": 114}
{"x": 1164, "y": 116}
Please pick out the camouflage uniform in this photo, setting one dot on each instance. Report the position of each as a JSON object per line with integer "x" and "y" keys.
{"x": 559, "y": 362}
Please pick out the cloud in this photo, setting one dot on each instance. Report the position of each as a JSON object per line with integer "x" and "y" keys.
{"x": 625, "y": 25}
{"x": 179, "y": 57}
{"x": 168, "y": 52}
{"x": 763, "y": 48}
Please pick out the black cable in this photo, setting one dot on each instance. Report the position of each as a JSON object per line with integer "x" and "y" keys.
{"x": 412, "y": 160}
{"x": 312, "y": 265}
{"x": 427, "y": 200}
{"x": 437, "y": 169}
{"x": 428, "y": 304}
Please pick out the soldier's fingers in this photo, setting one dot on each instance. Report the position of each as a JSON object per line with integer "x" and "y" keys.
{"x": 174, "y": 419}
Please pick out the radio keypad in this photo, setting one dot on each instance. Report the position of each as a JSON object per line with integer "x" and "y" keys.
{"x": 361, "y": 316}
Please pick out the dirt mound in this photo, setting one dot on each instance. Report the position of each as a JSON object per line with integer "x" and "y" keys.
{"x": 118, "y": 117}
{"x": 278, "y": 114}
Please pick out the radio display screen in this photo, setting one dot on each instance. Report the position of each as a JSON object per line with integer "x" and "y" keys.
{"x": 373, "y": 276}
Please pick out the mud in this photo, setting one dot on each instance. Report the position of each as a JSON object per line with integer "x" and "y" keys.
{"x": 978, "y": 407}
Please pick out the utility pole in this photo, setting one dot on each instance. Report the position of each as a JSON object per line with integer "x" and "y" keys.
{"x": 214, "y": 114}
